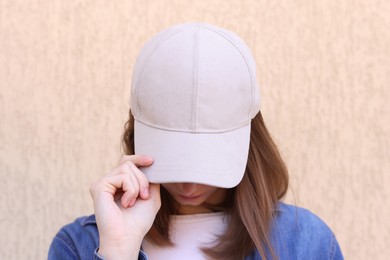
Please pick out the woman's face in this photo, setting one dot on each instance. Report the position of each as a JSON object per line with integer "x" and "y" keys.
{"x": 192, "y": 196}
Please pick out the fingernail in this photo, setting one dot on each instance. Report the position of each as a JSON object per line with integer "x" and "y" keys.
{"x": 147, "y": 157}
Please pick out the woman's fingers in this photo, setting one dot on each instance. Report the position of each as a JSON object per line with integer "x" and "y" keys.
{"x": 132, "y": 161}
{"x": 143, "y": 182}
{"x": 126, "y": 179}
{"x": 130, "y": 188}
{"x": 111, "y": 184}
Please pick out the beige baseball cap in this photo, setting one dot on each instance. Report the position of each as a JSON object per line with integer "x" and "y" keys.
{"x": 194, "y": 93}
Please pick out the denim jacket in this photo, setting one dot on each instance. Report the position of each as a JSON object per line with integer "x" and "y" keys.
{"x": 296, "y": 234}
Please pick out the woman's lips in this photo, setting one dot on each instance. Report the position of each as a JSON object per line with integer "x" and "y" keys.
{"x": 191, "y": 197}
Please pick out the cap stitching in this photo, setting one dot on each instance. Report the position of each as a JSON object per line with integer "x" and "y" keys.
{"x": 189, "y": 131}
{"x": 243, "y": 57}
{"x": 199, "y": 89}
{"x": 194, "y": 82}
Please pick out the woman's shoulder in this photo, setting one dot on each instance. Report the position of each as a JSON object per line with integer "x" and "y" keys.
{"x": 294, "y": 217}
{"x": 76, "y": 239}
{"x": 81, "y": 228}
{"x": 299, "y": 232}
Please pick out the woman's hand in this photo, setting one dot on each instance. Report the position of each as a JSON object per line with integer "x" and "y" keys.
{"x": 125, "y": 207}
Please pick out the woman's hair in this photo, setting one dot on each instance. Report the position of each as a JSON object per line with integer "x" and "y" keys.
{"x": 251, "y": 205}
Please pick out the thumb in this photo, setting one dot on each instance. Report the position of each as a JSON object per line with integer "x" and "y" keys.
{"x": 137, "y": 159}
{"x": 155, "y": 195}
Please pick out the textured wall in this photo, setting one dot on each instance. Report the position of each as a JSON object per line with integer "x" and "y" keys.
{"x": 65, "y": 72}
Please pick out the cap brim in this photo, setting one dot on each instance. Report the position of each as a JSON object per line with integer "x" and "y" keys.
{"x": 216, "y": 159}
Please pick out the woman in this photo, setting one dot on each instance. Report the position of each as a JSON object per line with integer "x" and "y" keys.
{"x": 201, "y": 178}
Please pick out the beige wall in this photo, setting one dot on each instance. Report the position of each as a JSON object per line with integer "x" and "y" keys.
{"x": 65, "y": 72}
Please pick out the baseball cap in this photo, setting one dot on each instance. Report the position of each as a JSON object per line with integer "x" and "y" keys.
{"x": 193, "y": 96}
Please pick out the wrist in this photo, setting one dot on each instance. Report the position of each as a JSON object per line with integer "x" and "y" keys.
{"x": 119, "y": 249}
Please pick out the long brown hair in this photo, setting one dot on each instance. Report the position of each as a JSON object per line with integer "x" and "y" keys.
{"x": 251, "y": 205}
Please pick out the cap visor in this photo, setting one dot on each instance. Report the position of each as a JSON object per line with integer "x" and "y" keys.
{"x": 216, "y": 159}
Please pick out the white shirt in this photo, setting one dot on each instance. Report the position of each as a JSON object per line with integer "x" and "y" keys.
{"x": 189, "y": 233}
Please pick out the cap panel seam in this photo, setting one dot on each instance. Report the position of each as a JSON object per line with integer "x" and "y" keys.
{"x": 243, "y": 57}
{"x": 198, "y": 87}
{"x": 194, "y": 99}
